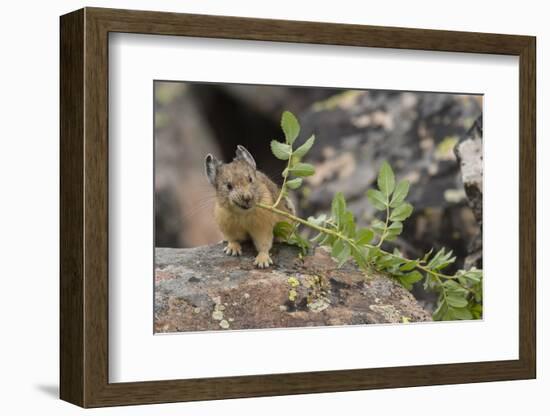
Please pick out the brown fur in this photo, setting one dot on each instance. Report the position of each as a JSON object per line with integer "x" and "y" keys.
{"x": 239, "y": 187}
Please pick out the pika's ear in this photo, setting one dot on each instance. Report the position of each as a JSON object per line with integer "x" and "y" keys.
{"x": 243, "y": 154}
{"x": 211, "y": 164}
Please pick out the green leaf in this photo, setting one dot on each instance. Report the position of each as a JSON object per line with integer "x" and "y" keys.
{"x": 410, "y": 265}
{"x": 338, "y": 207}
{"x": 477, "y": 311}
{"x": 399, "y": 194}
{"x": 377, "y": 199}
{"x": 294, "y": 183}
{"x": 441, "y": 260}
{"x": 290, "y": 126}
{"x": 302, "y": 169}
{"x": 452, "y": 286}
{"x": 394, "y": 230}
{"x": 337, "y": 248}
{"x": 473, "y": 275}
{"x": 386, "y": 179}
{"x": 360, "y": 257}
{"x": 364, "y": 236}
{"x": 409, "y": 279}
{"x": 413, "y": 277}
{"x": 282, "y": 230}
{"x": 402, "y": 212}
{"x": 373, "y": 253}
{"x": 280, "y": 150}
{"x": 441, "y": 310}
{"x": 303, "y": 149}
{"x": 378, "y": 226}
{"x": 385, "y": 261}
{"x": 344, "y": 256}
{"x": 459, "y": 313}
{"x": 456, "y": 301}
{"x": 297, "y": 240}
{"x": 435, "y": 259}
{"x": 427, "y": 256}
{"x": 347, "y": 224}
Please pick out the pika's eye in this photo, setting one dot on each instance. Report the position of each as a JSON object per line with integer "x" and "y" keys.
{"x": 229, "y": 186}
{"x": 250, "y": 179}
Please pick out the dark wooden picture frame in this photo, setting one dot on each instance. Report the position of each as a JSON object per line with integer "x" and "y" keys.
{"x": 84, "y": 207}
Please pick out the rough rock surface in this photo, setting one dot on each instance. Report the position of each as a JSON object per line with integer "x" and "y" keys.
{"x": 182, "y": 139}
{"x": 469, "y": 153}
{"x": 203, "y": 289}
{"x": 416, "y": 133}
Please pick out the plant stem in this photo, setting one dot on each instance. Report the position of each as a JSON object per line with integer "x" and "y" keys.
{"x": 383, "y": 236}
{"x": 302, "y": 221}
{"x": 350, "y": 241}
{"x": 283, "y": 186}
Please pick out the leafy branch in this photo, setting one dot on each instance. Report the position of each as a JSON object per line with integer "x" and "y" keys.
{"x": 460, "y": 295}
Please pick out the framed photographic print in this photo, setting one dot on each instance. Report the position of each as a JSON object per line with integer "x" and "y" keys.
{"x": 256, "y": 207}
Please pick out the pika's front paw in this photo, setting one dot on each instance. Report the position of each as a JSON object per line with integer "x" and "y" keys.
{"x": 233, "y": 249}
{"x": 263, "y": 260}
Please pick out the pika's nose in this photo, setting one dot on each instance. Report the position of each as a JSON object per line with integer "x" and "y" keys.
{"x": 247, "y": 199}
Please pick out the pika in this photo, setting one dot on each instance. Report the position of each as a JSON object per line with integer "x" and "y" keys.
{"x": 239, "y": 188}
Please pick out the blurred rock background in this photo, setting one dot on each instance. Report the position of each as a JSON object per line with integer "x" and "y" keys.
{"x": 419, "y": 134}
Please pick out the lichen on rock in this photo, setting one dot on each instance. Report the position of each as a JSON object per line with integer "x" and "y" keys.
{"x": 230, "y": 293}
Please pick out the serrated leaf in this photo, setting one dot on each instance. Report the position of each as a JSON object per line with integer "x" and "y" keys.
{"x": 364, "y": 236}
{"x": 294, "y": 183}
{"x": 399, "y": 194}
{"x": 377, "y": 199}
{"x": 402, "y": 212}
{"x": 303, "y": 149}
{"x": 386, "y": 179}
{"x": 302, "y": 169}
{"x": 290, "y": 126}
{"x": 280, "y": 150}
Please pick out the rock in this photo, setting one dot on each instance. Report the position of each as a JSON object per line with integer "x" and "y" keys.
{"x": 201, "y": 289}
{"x": 416, "y": 133}
{"x": 469, "y": 153}
{"x": 183, "y": 197}
{"x": 470, "y": 156}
